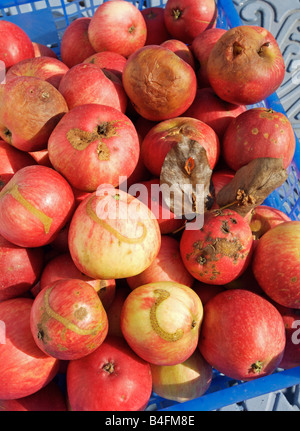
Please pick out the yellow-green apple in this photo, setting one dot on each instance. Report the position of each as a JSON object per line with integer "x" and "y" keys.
{"x": 161, "y": 322}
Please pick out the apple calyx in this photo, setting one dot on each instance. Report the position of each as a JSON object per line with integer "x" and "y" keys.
{"x": 261, "y": 52}
{"x": 176, "y": 13}
{"x": 108, "y": 367}
{"x": 256, "y": 367}
{"x": 7, "y": 133}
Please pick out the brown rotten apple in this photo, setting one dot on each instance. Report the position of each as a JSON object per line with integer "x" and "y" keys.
{"x": 159, "y": 83}
{"x": 245, "y": 65}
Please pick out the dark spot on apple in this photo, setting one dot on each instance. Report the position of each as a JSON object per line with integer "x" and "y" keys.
{"x": 201, "y": 259}
{"x": 40, "y": 334}
{"x": 225, "y": 228}
{"x": 237, "y": 49}
{"x": 7, "y": 134}
{"x": 108, "y": 367}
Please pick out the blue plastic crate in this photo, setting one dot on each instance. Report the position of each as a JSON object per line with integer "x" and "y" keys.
{"x": 45, "y": 21}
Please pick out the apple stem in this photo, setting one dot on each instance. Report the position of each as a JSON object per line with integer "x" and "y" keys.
{"x": 256, "y": 367}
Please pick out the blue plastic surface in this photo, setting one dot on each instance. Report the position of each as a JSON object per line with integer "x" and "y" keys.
{"x": 44, "y": 21}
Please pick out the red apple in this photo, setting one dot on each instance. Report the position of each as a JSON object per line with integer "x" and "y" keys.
{"x": 11, "y": 160}
{"x": 220, "y": 251}
{"x": 41, "y": 50}
{"x": 30, "y": 109}
{"x": 108, "y": 60}
{"x": 75, "y": 46}
{"x": 245, "y": 65}
{"x": 159, "y": 84}
{"x": 161, "y": 322}
{"x": 150, "y": 193}
{"x": 155, "y": 22}
{"x": 112, "y": 378}
{"x": 68, "y": 320}
{"x": 94, "y": 144}
{"x": 34, "y": 205}
{"x": 181, "y": 49}
{"x": 213, "y": 111}
{"x": 15, "y": 44}
{"x": 182, "y": 382}
{"x": 115, "y": 310}
{"x": 242, "y": 335}
{"x": 113, "y": 235}
{"x": 258, "y": 132}
{"x": 264, "y": 217}
{"x": 62, "y": 266}
{"x": 219, "y": 178}
{"x": 20, "y": 268}
{"x": 25, "y": 369}
{"x": 201, "y": 47}
{"x": 167, "y": 266}
{"x": 185, "y": 19}
{"x": 48, "y": 399}
{"x": 166, "y": 134}
{"x": 87, "y": 83}
{"x": 117, "y": 26}
{"x": 276, "y": 264}
{"x": 47, "y": 68}
{"x": 41, "y": 157}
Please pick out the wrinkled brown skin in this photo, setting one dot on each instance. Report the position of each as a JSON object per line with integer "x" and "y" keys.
{"x": 30, "y": 108}
{"x": 159, "y": 84}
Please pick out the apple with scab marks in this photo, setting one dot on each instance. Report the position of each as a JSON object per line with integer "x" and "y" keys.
{"x": 258, "y": 132}
{"x": 161, "y": 322}
{"x": 94, "y": 144}
{"x": 245, "y": 65}
{"x": 276, "y": 264}
{"x": 117, "y": 26}
{"x": 34, "y": 206}
{"x": 221, "y": 250}
{"x": 68, "y": 320}
{"x": 113, "y": 235}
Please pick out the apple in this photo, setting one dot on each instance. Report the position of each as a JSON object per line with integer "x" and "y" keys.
{"x": 166, "y": 134}
{"x": 213, "y": 111}
{"x": 20, "y": 268}
{"x": 276, "y": 264}
{"x": 47, "y": 68}
{"x": 41, "y": 50}
{"x": 220, "y": 251}
{"x": 87, "y": 83}
{"x": 75, "y": 46}
{"x": 155, "y": 22}
{"x": 161, "y": 322}
{"x": 11, "y": 160}
{"x": 112, "y": 378}
{"x": 182, "y": 382}
{"x": 94, "y": 144}
{"x": 25, "y": 369}
{"x": 242, "y": 335}
{"x": 50, "y": 398}
{"x": 201, "y": 47}
{"x": 34, "y": 205}
{"x": 62, "y": 266}
{"x": 117, "y": 26}
{"x": 113, "y": 235}
{"x": 220, "y": 177}
{"x": 30, "y": 108}
{"x": 68, "y": 320}
{"x": 15, "y": 44}
{"x": 258, "y": 132}
{"x": 150, "y": 194}
{"x": 181, "y": 49}
{"x": 159, "y": 84}
{"x": 167, "y": 266}
{"x": 265, "y": 217}
{"x": 245, "y": 65}
{"x": 185, "y": 19}
{"x": 115, "y": 309}
{"x": 41, "y": 157}
{"x": 108, "y": 60}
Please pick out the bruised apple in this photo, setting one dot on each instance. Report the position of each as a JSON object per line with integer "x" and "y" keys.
{"x": 242, "y": 335}
{"x": 92, "y": 145}
{"x": 220, "y": 251}
{"x": 161, "y": 322}
{"x": 30, "y": 108}
{"x": 68, "y": 320}
{"x": 182, "y": 382}
{"x": 167, "y": 266}
{"x": 258, "y": 132}
{"x": 245, "y": 65}
{"x": 113, "y": 235}
{"x": 159, "y": 84}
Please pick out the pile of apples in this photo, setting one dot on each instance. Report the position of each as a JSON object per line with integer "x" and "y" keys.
{"x": 103, "y": 284}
